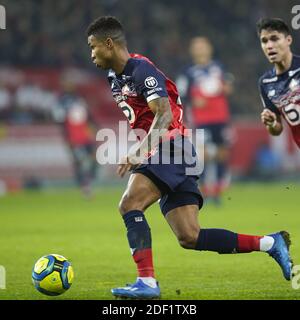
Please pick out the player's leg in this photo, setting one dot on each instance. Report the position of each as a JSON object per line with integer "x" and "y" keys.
{"x": 222, "y": 166}
{"x": 222, "y": 141}
{"x": 208, "y": 177}
{"x": 183, "y": 220}
{"x": 184, "y": 223}
{"x": 140, "y": 193}
{"x": 77, "y": 164}
{"x": 88, "y": 168}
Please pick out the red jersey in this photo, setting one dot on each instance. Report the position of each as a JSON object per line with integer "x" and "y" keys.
{"x": 205, "y": 84}
{"x": 76, "y": 125}
{"x": 139, "y": 83}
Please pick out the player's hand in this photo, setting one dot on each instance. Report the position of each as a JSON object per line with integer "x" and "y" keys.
{"x": 268, "y": 117}
{"x": 126, "y": 164}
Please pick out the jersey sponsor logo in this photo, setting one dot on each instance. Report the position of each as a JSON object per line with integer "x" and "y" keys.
{"x": 126, "y": 78}
{"x": 154, "y": 90}
{"x": 270, "y": 80}
{"x": 151, "y": 82}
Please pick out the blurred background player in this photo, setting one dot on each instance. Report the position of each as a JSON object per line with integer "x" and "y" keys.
{"x": 79, "y": 130}
{"x": 204, "y": 87}
{"x": 280, "y": 86}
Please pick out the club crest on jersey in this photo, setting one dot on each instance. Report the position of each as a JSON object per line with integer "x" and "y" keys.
{"x": 151, "y": 82}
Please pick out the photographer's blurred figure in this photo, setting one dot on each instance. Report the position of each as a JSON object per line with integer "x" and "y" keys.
{"x": 204, "y": 87}
{"x": 79, "y": 130}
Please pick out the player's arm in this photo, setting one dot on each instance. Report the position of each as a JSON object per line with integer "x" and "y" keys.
{"x": 272, "y": 121}
{"x": 161, "y": 122}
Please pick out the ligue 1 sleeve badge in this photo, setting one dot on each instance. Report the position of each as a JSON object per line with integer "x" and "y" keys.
{"x": 151, "y": 82}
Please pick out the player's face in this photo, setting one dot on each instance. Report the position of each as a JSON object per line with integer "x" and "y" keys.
{"x": 275, "y": 45}
{"x": 101, "y": 52}
{"x": 201, "y": 50}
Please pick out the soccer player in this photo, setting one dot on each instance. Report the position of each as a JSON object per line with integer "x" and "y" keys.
{"x": 204, "y": 87}
{"x": 78, "y": 127}
{"x": 151, "y": 102}
{"x": 280, "y": 86}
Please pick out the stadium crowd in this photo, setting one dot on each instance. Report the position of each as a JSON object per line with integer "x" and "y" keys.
{"x": 47, "y": 33}
{"x": 45, "y": 38}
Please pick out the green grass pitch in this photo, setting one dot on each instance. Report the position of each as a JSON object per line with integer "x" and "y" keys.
{"x": 92, "y": 236}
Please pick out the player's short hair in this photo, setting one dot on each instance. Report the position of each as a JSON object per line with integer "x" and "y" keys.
{"x": 107, "y": 27}
{"x": 273, "y": 24}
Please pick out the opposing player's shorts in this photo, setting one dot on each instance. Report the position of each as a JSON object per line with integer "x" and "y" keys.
{"x": 174, "y": 169}
{"x": 217, "y": 133}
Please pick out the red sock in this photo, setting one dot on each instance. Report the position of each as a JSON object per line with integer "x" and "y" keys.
{"x": 248, "y": 243}
{"x": 143, "y": 260}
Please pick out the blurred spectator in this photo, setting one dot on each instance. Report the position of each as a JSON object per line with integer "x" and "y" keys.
{"x": 56, "y": 38}
{"x": 33, "y": 103}
{"x": 204, "y": 87}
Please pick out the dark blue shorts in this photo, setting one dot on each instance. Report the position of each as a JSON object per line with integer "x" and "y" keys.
{"x": 177, "y": 180}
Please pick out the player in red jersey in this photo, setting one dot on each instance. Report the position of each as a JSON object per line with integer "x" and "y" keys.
{"x": 280, "y": 86}
{"x": 204, "y": 87}
{"x": 78, "y": 127}
{"x": 150, "y": 101}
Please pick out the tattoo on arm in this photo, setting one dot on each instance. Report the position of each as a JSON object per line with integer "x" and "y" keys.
{"x": 161, "y": 122}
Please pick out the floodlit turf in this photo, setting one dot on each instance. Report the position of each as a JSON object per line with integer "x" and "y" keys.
{"x": 92, "y": 236}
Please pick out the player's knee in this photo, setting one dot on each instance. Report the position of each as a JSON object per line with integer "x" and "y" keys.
{"x": 129, "y": 203}
{"x": 124, "y": 205}
{"x": 188, "y": 240}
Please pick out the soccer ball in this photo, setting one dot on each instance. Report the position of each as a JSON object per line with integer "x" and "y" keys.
{"x": 52, "y": 275}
